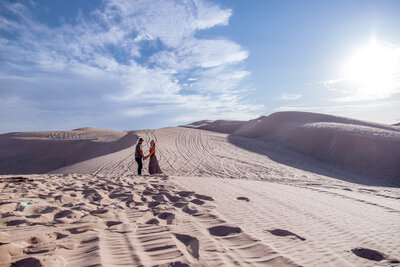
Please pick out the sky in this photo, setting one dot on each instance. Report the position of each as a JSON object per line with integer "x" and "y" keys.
{"x": 133, "y": 64}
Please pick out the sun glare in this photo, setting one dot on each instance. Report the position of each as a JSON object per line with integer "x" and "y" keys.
{"x": 374, "y": 69}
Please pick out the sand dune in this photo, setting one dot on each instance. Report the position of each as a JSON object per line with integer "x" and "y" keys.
{"x": 41, "y": 152}
{"x": 365, "y": 147}
{"x": 225, "y": 200}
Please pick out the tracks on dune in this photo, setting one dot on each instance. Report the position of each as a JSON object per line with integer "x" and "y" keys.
{"x": 186, "y": 152}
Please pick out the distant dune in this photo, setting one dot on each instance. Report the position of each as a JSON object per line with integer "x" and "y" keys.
{"x": 362, "y": 146}
{"x": 221, "y": 126}
{"x": 42, "y": 152}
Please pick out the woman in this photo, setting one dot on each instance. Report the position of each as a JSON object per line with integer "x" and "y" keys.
{"x": 154, "y": 168}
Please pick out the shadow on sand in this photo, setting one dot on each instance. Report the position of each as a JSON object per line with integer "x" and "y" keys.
{"x": 26, "y": 156}
{"x": 282, "y": 154}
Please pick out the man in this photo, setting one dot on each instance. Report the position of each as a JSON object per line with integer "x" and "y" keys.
{"x": 139, "y": 155}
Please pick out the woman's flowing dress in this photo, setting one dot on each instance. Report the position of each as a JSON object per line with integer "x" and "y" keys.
{"x": 154, "y": 167}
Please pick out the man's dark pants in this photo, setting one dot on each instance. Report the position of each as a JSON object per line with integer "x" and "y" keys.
{"x": 140, "y": 165}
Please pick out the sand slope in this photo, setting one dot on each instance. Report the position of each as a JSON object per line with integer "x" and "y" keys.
{"x": 368, "y": 148}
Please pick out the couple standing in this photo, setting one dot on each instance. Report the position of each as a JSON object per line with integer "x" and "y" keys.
{"x": 154, "y": 168}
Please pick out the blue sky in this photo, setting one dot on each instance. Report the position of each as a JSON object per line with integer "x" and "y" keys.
{"x": 149, "y": 64}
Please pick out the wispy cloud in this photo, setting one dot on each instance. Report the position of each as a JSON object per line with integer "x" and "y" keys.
{"x": 286, "y": 96}
{"x": 126, "y": 59}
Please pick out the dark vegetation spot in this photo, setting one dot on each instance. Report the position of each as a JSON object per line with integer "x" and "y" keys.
{"x": 224, "y": 230}
{"x": 369, "y": 254}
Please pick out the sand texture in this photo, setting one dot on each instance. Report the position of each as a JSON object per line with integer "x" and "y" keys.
{"x": 226, "y": 199}
{"x": 367, "y": 148}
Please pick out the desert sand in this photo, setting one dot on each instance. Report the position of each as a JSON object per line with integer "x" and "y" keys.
{"x": 289, "y": 189}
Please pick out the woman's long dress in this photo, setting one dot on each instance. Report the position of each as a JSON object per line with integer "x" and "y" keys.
{"x": 154, "y": 168}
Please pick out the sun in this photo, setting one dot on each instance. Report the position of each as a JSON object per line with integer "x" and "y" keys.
{"x": 374, "y": 68}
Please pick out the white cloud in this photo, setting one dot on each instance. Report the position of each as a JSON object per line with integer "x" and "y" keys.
{"x": 286, "y": 96}
{"x": 124, "y": 55}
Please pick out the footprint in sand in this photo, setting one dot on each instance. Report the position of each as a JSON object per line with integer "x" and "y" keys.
{"x": 189, "y": 210}
{"x": 243, "y": 198}
{"x": 44, "y": 238}
{"x": 77, "y": 230}
{"x": 281, "y": 232}
{"x": 112, "y": 223}
{"x": 99, "y": 211}
{"x": 32, "y": 262}
{"x": 197, "y": 201}
{"x": 48, "y": 209}
{"x": 173, "y": 198}
{"x": 178, "y": 264}
{"x": 65, "y": 214}
{"x": 204, "y": 197}
{"x": 185, "y": 193}
{"x": 191, "y": 243}
{"x": 224, "y": 230}
{"x": 369, "y": 254}
{"x": 168, "y": 216}
{"x": 61, "y": 235}
{"x": 16, "y": 222}
{"x": 159, "y": 197}
{"x": 153, "y": 204}
{"x": 180, "y": 204}
{"x": 152, "y": 221}
{"x": 39, "y": 249}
